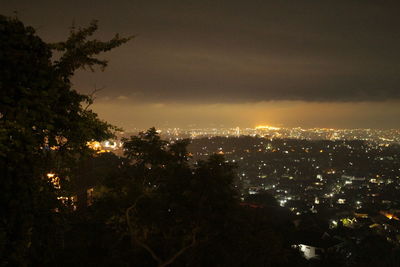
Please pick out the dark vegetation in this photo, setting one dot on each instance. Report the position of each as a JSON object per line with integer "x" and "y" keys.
{"x": 150, "y": 207}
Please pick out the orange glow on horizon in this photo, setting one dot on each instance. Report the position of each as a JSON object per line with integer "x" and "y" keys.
{"x": 266, "y": 127}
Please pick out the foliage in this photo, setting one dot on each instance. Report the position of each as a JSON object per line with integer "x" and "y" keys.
{"x": 167, "y": 204}
{"x": 44, "y": 126}
{"x": 78, "y": 52}
{"x": 169, "y": 210}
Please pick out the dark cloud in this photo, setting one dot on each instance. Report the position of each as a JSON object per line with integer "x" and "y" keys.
{"x": 237, "y": 51}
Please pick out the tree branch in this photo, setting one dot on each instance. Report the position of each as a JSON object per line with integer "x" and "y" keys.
{"x": 92, "y": 97}
{"x": 152, "y": 253}
{"x": 182, "y": 250}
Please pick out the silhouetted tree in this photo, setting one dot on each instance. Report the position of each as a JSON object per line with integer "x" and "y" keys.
{"x": 169, "y": 206}
{"x": 44, "y": 127}
{"x": 166, "y": 210}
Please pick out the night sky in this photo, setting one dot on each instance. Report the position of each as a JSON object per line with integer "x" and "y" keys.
{"x": 237, "y": 63}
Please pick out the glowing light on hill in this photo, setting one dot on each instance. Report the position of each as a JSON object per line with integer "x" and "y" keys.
{"x": 94, "y": 145}
{"x": 266, "y": 127}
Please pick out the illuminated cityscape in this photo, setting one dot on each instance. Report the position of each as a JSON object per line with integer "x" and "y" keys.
{"x": 200, "y": 133}
{"x": 376, "y": 136}
{"x": 348, "y": 177}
